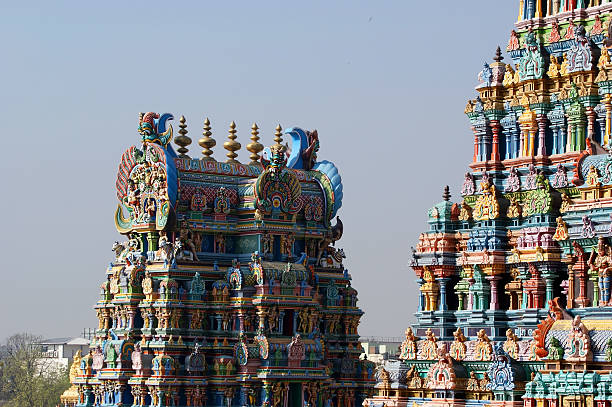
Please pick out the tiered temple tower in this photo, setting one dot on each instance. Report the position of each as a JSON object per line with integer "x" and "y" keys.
{"x": 228, "y": 290}
{"x": 514, "y": 278}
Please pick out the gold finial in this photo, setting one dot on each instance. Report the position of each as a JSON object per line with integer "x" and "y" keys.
{"x": 182, "y": 141}
{"x": 278, "y": 136}
{"x": 207, "y": 142}
{"x": 255, "y": 147}
{"x": 232, "y": 145}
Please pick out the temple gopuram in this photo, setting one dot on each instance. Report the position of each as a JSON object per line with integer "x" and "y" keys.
{"x": 514, "y": 277}
{"x": 228, "y": 289}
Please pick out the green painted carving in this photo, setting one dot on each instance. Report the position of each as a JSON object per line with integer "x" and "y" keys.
{"x": 555, "y": 350}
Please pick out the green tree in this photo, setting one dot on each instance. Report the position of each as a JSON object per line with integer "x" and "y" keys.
{"x": 27, "y": 379}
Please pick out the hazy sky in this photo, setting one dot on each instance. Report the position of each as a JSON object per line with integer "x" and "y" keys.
{"x": 385, "y": 83}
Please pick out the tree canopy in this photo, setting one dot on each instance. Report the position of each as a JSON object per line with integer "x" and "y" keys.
{"x": 26, "y": 379}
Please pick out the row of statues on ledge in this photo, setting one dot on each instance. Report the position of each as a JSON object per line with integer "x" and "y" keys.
{"x": 529, "y": 9}
{"x": 578, "y": 346}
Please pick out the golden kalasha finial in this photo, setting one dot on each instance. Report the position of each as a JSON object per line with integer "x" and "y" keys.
{"x": 255, "y": 146}
{"x": 182, "y": 141}
{"x": 278, "y": 136}
{"x": 207, "y": 142}
{"x": 232, "y": 145}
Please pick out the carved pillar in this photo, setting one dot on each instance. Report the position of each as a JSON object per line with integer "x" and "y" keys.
{"x": 538, "y": 9}
{"x": 580, "y": 271}
{"x": 508, "y": 145}
{"x": 607, "y": 102}
{"x": 475, "y": 144}
{"x": 569, "y": 146}
{"x": 442, "y": 282}
{"x": 580, "y": 142}
{"x": 556, "y": 141}
{"x": 470, "y": 305}
{"x": 281, "y": 319}
{"x": 420, "y": 282}
{"x": 562, "y": 139}
{"x": 262, "y": 314}
{"x": 486, "y": 141}
{"x": 494, "y": 304}
{"x": 595, "y": 280}
{"x": 530, "y": 13}
{"x": 541, "y": 119}
{"x": 461, "y": 298}
{"x": 570, "y": 286}
{"x": 516, "y": 144}
{"x": 524, "y": 301}
{"x": 152, "y": 240}
{"x": 496, "y": 130}
{"x": 131, "y": 316}
{"x": 590, "y": 113}
{"x": 549, "y": 290}
{"x": 523, "y": 143}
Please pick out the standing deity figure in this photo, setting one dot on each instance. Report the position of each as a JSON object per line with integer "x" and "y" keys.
{"x": 219, "y": 243}
{"x": 578, "y": 342}
{"x": 560, "y": 177}
{"x": 511, "y": 344}
{"x": 468, "y": 187}
{"x": 267, "y": 243}
{"x": 599, "y": 262}
{"x": 513, "y": 181}
{"x": 408, "y": 349}
{"x": 588, "y": 229}
{"x": 287, "y": 245}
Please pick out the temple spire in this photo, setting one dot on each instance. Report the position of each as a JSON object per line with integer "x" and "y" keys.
{"x": 255, "y": 146}
{"x": 232, "y": 145}
{"x": 446, "y": 195}
{"x": 182, "y": 140}
{"x": 278, "y": 135}
{"x": 498, "y": 55}
{"x": 207, "y": 142}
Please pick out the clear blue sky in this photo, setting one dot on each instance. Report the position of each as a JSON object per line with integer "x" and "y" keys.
{"x": 385, "y": 83}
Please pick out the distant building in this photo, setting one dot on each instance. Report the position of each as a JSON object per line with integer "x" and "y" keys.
{"x": 377, "y": 349}
{"x": 61, "y": 351}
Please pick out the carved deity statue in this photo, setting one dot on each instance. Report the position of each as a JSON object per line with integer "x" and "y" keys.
{"x": 484, "y": 349}
{"x": 429, "y": 348}
{"x": 458, "y": 347}
{"x": 600, "y": 263}
{"x": 578, "y": 342}
{"x": 408, "y": 350}
{"x": 561, "y": 232}
{"x": 511, "y": 344}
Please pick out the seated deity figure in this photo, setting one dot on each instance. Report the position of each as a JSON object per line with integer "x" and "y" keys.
{"x": 429, "y": 349}
{"x": 484, "y": 349}
{"x": 578, "y": 342}
{"x": 458, "y": 347}
{"x": 409, "y": 348}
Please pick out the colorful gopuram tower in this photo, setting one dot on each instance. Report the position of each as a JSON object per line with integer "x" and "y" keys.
{"x": 514, "y": 278}
{"x": 228, "y": 290}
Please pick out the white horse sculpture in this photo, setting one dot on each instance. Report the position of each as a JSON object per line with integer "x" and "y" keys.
{"x": 123, "y": 249}
{"x": 333, "y": 259}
